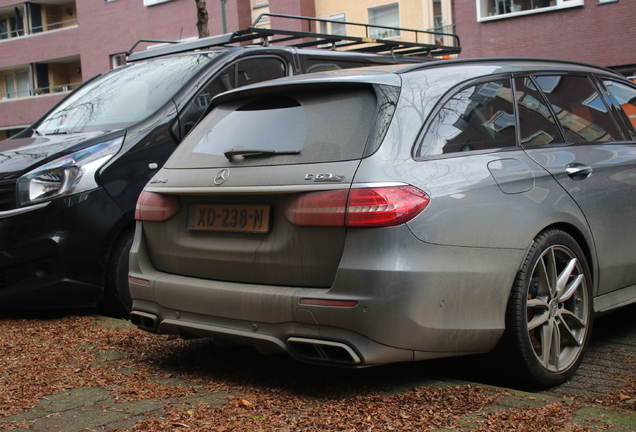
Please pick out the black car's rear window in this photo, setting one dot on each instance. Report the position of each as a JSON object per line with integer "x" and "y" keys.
{"x": 297, "y": 127}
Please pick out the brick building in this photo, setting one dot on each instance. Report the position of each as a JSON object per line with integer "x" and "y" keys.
{"x": 592, "y": 31}
{"x": 49, "y": 47}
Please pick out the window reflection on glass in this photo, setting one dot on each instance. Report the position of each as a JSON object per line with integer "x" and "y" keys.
{"x": 537, "y": 126}
{"x": 581, "y": 112}
{"x": 625, "y": 97}
{"x": 477, "y": 118}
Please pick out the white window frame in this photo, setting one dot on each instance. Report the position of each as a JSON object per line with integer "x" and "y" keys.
{"x": 328, "y": 27}
{"x": 485, "y": 13}
{"x": 372, "y": 30}
{"x": 154, "y": 2}
{"x": 117, "y": 60}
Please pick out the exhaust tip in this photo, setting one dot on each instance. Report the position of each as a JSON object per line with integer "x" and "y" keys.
{"x": 323, "y": 351}
{"x": 145, "y": 321}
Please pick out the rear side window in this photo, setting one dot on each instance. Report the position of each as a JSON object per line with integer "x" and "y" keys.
{"x": 479, "y": 117}
{"x": 583, "y": 115}
{"x": 625, "y": 97}
{"x": 296, "y": 127}
{"x": 536, "y": 122}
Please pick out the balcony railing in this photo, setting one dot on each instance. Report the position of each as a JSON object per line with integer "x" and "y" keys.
{"x": 259, "y": 3}
{"x": 39, "y": 91}
{"x": 37, "y": 29}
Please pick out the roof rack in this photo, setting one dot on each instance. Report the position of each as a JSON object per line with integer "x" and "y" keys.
{"x": 375, "y": 39}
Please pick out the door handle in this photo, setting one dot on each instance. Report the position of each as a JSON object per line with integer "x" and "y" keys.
{"x": 577, "y": 171}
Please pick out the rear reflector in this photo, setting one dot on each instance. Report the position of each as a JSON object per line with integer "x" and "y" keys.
{"x": 154, "y": 207}
{"x": 365, "y": 207}
{"x": 139, "y": 281}
{"x": 325, "y": 302}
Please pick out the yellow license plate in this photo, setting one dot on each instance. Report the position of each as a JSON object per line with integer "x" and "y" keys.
{"x": 229, "y": 217}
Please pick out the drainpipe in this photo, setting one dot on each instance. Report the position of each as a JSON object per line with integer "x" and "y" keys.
{"x": 27, "y": 19}
{"x": 223, "y": 15}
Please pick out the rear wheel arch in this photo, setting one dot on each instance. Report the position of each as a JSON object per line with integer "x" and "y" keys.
{"x": 584, "y": 242}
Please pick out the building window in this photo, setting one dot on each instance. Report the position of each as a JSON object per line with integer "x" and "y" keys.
{"x": 388, "y": 16}
{"x": 334, "y": 27}
{"x": 497, "y": 9}
{"x": 16, "y": 84}
{"x": 118, "y": 60}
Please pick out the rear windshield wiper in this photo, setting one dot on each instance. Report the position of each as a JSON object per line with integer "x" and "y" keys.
{"x": 229, "y": 154}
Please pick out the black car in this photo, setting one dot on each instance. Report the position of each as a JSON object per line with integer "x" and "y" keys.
{"x": 69, "y": 182}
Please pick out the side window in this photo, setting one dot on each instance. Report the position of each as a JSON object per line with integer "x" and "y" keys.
{"x": 579, "y": 108}
{"x": 625, "y": 97}
{"x": 320, "y": 65}
{"x": 479, "y": 117}
{"x": 537, "y": 125}
{"x": 245, "y": 72}
{"x": 258, "y": 69}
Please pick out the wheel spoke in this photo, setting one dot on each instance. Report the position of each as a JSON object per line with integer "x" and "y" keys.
{"x": 547, "y": 332}
{"x": 565, "y": 290}
{"x": 576, "y": 322}
{"x": 555, "y": 351}
{"x": 544, "y": 277}
{"x": 571, "y": 288}
{"x": 551, "y": 273}
{"x": 538, "y": 320}
{"x": 568, "y": 333}
{"x": 540, "y": 312}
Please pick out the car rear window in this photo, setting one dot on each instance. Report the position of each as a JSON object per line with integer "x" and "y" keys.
{"x": 278, "y": 129}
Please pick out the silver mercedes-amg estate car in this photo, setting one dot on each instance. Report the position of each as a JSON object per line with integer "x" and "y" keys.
{"x": 399, "y": 213}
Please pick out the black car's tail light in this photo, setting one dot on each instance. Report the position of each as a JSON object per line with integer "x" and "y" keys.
{"x": 361, "y": 208}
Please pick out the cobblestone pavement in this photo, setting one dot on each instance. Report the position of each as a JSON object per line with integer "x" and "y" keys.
{"x": 611, "y": 356}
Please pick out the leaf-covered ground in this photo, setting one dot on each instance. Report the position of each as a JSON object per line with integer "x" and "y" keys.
{"x": 43, "y": 357}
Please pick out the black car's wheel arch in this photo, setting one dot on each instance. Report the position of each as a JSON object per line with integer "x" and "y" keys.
{"x": 120, "y": 234}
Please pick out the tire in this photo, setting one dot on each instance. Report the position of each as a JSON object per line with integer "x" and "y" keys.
{"x": 117, "y": 290}
{"x": 549, "y": 314}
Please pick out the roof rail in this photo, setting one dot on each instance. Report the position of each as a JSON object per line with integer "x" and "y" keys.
{"x": 420, "y": 43}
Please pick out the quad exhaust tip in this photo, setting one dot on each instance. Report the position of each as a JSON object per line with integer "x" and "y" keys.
{"x": 324, "y": 351}
{"x": 145, "y": 321}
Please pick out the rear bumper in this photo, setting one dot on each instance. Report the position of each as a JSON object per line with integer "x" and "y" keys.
{"x": 414, "y": 301}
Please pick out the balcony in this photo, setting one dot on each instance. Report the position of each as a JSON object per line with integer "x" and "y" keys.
{"x": 31, "y": 18}
{"x": 56, "y": 76}
{"x": 29, "y": 90}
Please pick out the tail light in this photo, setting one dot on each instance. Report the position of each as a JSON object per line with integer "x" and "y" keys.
{"x": 154, "y": 207}
{"x": 367, "y": 207}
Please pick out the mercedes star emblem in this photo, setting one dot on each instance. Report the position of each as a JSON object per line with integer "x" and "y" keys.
{"x": 221, "y": 176}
